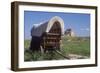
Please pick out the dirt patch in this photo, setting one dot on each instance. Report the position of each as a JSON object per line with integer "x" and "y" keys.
{"x": 75, "y": 56}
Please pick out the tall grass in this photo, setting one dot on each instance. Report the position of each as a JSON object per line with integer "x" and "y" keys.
{"x": 70, "y": 45}
{"x": 76, "y": 45}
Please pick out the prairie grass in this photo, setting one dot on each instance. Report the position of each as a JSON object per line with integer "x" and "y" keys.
{"x": 70, "y": 45}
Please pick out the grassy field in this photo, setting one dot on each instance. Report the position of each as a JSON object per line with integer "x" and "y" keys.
{"x": 76, "y": 45}
{"x": 79, "y": 45}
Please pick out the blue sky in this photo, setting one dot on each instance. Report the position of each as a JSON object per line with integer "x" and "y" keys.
{"x": 78, "y": 22}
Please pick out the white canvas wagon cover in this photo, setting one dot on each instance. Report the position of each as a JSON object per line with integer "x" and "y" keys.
{"x": 46, "y": 26}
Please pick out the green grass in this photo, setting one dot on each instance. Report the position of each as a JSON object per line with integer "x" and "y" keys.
{"x": 70, "y": 45}
{"x": 80, "y": 46}
{"x": 26, "y": 44}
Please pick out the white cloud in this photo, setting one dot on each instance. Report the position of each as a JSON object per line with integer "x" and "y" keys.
{"x": 85, "y": 29}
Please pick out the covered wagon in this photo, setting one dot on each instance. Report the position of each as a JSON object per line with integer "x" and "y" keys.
{"x": 47, "y": 36}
